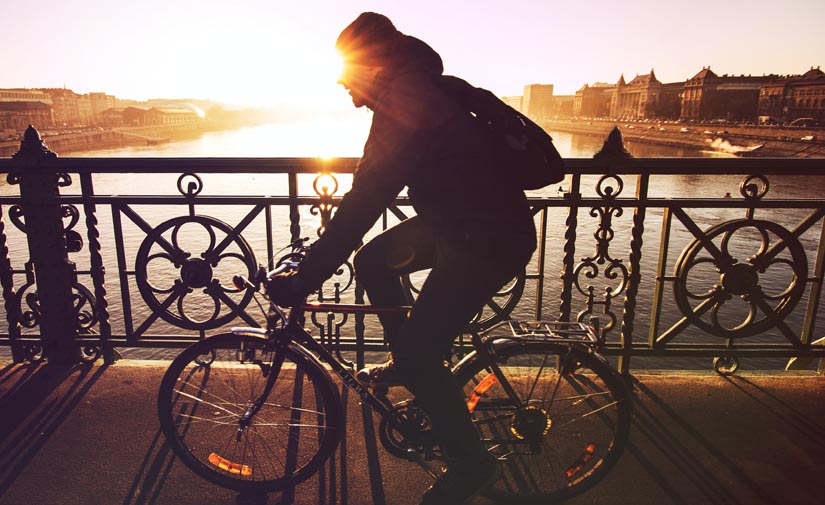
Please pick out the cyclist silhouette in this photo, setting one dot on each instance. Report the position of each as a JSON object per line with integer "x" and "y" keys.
{"x": 473, "y": 227}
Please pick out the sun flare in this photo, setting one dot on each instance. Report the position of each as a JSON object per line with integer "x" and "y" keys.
{"x": 301, "y": 79}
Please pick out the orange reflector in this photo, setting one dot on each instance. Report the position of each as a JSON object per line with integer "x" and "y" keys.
{"x": 583, "y": 459}
{"x": 225, "y": 464}
{"x": 479, "y": 391}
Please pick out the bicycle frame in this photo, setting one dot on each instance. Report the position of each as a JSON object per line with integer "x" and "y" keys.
{"x": 293, "y": 332}
{"x": 296, "y": 333}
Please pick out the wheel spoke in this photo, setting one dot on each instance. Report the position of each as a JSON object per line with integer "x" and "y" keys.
{"x": 287, "y": 438}
{"x": 565, "y": 439}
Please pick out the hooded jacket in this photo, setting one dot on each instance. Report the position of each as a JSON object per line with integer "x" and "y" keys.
{"x": 422, "y": 140}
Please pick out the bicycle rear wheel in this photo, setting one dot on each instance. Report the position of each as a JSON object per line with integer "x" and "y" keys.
{"x": 560, "y": 427}
{"x": 211, "y": 385}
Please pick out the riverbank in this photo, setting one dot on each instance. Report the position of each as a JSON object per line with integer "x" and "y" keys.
{"x": 67, "y": 142}
{"x": 740, "y": 140}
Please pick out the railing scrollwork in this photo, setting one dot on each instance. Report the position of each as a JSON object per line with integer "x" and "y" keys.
{"x": 725, "y": 285}
{"x": 193, "y": 247}
{"x": 609, "y": 188}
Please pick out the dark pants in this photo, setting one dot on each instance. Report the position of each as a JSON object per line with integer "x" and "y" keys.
{"x": 460, "y": 282}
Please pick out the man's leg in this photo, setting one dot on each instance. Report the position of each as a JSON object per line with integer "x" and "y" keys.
{"x": 457, "y": 287}
{"x": 405, "y": 248}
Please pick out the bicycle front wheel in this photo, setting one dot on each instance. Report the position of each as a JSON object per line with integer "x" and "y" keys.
{"x": 557, "y": 417}
{"x": 205, "y": 401}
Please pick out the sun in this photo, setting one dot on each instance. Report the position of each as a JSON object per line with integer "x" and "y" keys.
{"x": 317, "y": 74}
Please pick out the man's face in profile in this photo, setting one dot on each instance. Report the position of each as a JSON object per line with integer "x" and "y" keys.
{"x": 359, "y": 80}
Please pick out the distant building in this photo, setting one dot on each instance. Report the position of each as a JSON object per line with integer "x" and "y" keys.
{"x": 168, "y": 116}
{"x": 64, "y": 106}
{"x": 669, "y": 105}
{"x": 593, "y": 101}
{"x": 66, "y": 109}
{"x": 99, "y": 102}
{"x": 562, "y": 105}
{"x": 84, "y": 110}
{"x": 20, "y": 107}
{"x": 787, "y": 99}
{"x": 134, "y": 116}
{"x": 637, "y": 99}
{"x": 155, "y": 116}
{"x": 537, "y": 101}
{"x": 24, "y": 95}
{"x": 112, "y": 117}
{"x": 707, "y": 96}
{"x": 17, "y": 116}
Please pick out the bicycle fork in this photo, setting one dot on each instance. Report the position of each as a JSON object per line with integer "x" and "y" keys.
{"x": 271, "y": 372}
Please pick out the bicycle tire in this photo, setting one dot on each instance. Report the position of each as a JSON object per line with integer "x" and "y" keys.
{"x": 207, "y": 389}
{"x": 570, "y": 430}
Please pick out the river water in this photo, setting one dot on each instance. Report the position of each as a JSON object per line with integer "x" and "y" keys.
{"x": 342, "y": 138}
{"x": 346, "y": 137}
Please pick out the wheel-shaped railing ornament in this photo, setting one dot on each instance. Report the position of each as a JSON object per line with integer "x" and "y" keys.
{"x": 184, "y": 269}
{"x": 757, "y": 286}
{"x": 501, "y": 305}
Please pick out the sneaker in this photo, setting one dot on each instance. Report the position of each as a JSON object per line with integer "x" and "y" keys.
{"x": 463, "y": 480}
{"x": 383, "y": 375}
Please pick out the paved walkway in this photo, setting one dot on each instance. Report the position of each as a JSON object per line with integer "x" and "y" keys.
{"x": 89, "y": 435}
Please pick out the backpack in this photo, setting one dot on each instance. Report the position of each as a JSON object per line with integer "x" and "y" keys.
{"x": 516, "y": 142}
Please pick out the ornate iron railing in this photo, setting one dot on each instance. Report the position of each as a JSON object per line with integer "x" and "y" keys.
{"x": 678, "y": 261}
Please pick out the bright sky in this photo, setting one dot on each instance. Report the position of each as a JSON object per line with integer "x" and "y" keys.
{"x": 271, "y": 52}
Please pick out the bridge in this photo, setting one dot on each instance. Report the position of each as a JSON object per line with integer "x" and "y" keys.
{"x": 703, "y": 276}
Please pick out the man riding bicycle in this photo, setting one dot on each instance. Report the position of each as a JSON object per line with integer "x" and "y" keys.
{"x": 473, "y": 227}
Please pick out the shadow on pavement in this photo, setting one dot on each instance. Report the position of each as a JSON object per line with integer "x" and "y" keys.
{"x": 330, "y": 484}
{"x": 40, "y": 397}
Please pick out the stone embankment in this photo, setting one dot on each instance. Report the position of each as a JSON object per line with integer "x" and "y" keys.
{"x": 67, "y": 142}
{"x": 739, "y": 140}
{"x": 63, "y": 142}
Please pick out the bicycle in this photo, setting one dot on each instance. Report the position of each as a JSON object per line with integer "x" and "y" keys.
{"x": 256, "y": 410}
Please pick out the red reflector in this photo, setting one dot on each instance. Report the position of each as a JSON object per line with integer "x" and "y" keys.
{"x": 479, "y": 391}
{"x": 229, "y": 466}
{"x": 579, "y": 464}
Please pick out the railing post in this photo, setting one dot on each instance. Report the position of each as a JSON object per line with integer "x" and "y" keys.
{"x": 568, "y": 260}
{"x": 55, "y": 274}
{"x": 614, "y": 154}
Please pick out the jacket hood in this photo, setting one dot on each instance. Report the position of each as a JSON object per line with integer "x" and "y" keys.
{"x": 410, "y": 54}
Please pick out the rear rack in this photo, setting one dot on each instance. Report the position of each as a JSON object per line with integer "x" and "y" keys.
{"x": 544, "y": 331}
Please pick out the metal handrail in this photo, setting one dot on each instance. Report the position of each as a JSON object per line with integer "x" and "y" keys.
{"x": 644, "y": 302}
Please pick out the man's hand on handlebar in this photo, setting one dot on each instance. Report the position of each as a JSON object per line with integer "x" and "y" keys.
{"x": 285, "y": 289}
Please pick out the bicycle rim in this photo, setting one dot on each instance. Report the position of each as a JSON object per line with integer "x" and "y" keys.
{"x": 209, "y": 387}
{"x": 569, "y": 430}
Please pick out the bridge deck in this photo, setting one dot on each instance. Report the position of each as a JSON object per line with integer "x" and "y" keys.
{"x": 90, "y": 436}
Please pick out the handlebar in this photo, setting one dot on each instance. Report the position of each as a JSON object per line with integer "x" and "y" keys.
{"x": 240, "y": 282}
{"x": 286, "y": 263}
